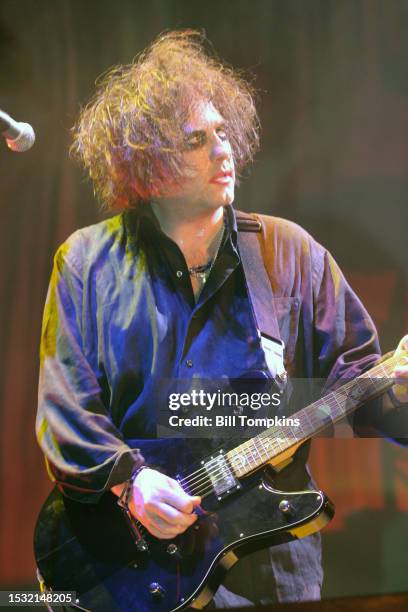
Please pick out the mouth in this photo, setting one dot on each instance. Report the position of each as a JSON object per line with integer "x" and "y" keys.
{"x": 223, "y": 177}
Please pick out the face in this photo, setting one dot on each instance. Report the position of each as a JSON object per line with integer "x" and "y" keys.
{"x": 210, "y": 174}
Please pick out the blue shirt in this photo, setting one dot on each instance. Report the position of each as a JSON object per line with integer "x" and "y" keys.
{"x": 121, "y": 316}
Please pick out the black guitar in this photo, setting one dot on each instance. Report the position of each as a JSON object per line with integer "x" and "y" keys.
{"x": 91, "y": 549}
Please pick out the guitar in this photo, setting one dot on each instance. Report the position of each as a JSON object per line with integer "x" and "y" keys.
{"x": 115, "y": 564}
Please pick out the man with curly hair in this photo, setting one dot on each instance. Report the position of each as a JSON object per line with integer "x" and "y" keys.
{"x": 158, "y": 292}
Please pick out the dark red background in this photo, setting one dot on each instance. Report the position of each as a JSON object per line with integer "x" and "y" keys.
{"x": 333, "y": 80}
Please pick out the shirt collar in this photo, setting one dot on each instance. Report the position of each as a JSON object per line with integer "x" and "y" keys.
{"x": 149, "y": 223}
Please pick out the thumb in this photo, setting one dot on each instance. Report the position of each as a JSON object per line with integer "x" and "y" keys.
{"x": 403, "y": 344}
{"x": 196, "y": 500}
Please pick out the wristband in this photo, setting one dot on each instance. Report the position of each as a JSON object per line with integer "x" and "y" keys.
{"x": 136, "y": 528}
{"x": 124, "y": 497}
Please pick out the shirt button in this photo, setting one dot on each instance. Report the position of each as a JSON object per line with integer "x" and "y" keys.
{"x": 189, "y": 363}
{"x": 179, "y": 274}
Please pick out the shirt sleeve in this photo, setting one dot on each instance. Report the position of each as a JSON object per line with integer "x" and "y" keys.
{"x": 345, "y": 335}
{"x": 84, "y": 451}
{"x": 347, "y": 345}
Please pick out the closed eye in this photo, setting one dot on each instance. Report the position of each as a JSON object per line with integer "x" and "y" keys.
{"x": 222, "y": 133}
{"x": 197, "y": 139}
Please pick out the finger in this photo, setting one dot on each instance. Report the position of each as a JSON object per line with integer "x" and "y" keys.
{"x": 164, "y": 529}
{"x": 403, "y": 344}
{"x": 160, "y": 523}
{"x": 191, "y": 502}
{"x": 400, "y": 371}
{"x": 170, "y": 515}
{"x": 162, "y": 534}
{"x": 179, "y": 499}
{"x": 167, "y": 513}
{"x": 175, "y": 486}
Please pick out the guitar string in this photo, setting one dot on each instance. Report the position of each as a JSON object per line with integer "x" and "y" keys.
{"x": 207, "y": 483}
{"x": 245, "y": 455}
{"x": 208, "y": 488}
{"x": 248, "y": 448}
{"x": 205, "y": 474}
{"x": 242, "y": 457}
{"x": 210, "y": 479}
{"x": 214, "y": 473}
{"x": 249, "y": 452}
{"x": 277, "y": 435}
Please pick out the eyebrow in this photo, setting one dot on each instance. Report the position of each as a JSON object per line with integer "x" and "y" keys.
{"x": 217, "y": 124}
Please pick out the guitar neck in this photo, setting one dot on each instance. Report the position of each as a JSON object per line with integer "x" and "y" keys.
{"x": 313, "y": 419}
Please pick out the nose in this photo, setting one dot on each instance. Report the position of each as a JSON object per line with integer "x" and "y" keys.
{"x": 219, "y": 148}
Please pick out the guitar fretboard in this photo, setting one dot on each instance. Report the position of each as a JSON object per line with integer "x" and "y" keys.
{"x": 316, "y": 417}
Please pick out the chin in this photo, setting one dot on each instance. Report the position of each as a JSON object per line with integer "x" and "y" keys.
{"x": 228, "y": 198}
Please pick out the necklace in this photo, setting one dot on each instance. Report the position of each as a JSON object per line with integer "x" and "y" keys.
{"x": 203, "y": 271}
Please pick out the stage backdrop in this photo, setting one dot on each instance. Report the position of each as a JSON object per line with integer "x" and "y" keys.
{"x": 333, "y": 85}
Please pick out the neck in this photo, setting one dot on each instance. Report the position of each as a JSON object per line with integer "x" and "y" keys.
{"x": 194, "y": 234}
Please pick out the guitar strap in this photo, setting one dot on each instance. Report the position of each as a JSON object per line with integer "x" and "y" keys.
{"x": 251, "y": 245}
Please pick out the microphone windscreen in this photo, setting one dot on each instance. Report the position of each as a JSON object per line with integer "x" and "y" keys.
{"x": 24, "y": 140}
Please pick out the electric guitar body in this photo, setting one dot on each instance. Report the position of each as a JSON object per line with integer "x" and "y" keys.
{"x": 113, "y": 564}
{"x": 90, "y": 549}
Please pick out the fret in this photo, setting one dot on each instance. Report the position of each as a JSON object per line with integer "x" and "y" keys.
{"x": 272, "y": 443}
{"x": 249, "y": 455}
{"x": 262, "y": 439}
{"x": 306, "y": 422}
{"x": 305, "y": 413}
{"x": 244, "y": 453}
{"x": 385, "y": 368}
{"x": 252, "y": 448}
{"x": 242, "y": 459}
{"x": 293, "y": 435}
{"x": 361, "y": 387}
{"x": 259, "y": 441}
{"x": 380, "y": 383}
{"x": 256, "y": 448}
{"x": 323, "y": 412}
{"x": 312, "y": 419}
{"x": 336, "y": 405}
{"x": 280, "y": 439}
{"x": 304, "y": 433}
{"x": 238, "y": 461}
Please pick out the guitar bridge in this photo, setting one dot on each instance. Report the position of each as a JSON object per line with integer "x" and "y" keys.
{"x": 220, "y": 475}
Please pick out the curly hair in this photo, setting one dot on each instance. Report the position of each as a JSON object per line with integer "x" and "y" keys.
{"x": 130, "y": 137}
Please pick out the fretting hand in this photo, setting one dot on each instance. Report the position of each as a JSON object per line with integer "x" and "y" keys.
{"x": 400, "y": 372}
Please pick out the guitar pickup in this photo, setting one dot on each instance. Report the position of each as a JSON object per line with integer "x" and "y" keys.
{"x": 221, "y": 477}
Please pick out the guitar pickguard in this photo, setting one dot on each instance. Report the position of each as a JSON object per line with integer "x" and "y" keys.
{"x": 96, "y": 556}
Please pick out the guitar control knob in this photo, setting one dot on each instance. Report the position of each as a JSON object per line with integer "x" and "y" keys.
{"x": 172, "y": 549}
{"x": 142, "y": 545}
{"x": 284, "y": 506}
{"x": 156, "y": 590}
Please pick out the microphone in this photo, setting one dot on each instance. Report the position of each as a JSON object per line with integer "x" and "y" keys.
{"x": 19, "y": 136}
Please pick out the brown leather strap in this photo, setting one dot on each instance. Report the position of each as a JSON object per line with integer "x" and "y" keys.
{"x": 247, "y": 222}
{"x": 251, "y": 246}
